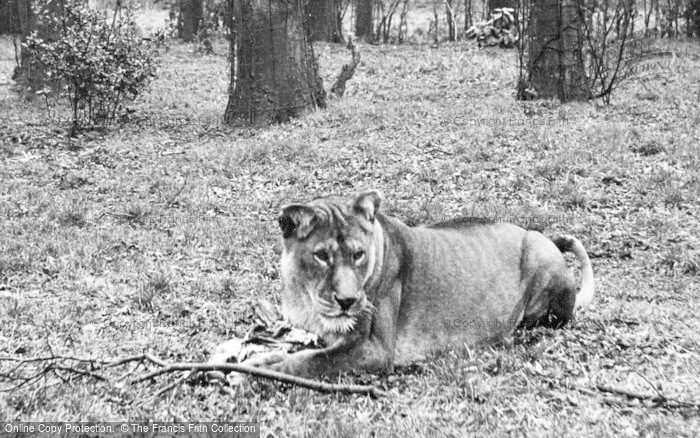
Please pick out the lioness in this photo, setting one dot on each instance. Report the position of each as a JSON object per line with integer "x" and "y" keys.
{"x": 379, "y": 292}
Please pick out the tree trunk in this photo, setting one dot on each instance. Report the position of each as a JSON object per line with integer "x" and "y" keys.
{"x": 493, "y": 4}
{"x": 437, "y": 24}
{"x": 26, "y": 73}
{"x": 693, "y": 16}
{"x": 29, "y": 73}
{"x": 324, "y": 23}
{"x": 363, "y": 19}
{"x": 7, "y": 16}
{"x": 274, "y": 76}
{"x": 449, "y": 12}
{"x": 555, "y": 65}
{"x": 467, "y": 14}
{"x": 190, "y": 18}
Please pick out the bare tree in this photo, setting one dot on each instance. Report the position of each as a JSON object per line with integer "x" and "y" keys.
{"x": 468, "y": 22}
{"x": 324, "y": 21}
{"x": 274, "y": 75}
{"x": 403, "y": 22}
{"x": 387, "y": 13}
{"x": 611, "y": 49}
{"x": 436, "y": 23}
{"x": 189, "y": 19}
{"x": 648, "y": 9}
{"x": 7, "y": 12}
{"x": 364, "y": 20}
{"x": 451, "y": 27}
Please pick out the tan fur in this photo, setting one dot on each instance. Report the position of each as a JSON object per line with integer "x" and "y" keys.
{"x": 414, "y": 289}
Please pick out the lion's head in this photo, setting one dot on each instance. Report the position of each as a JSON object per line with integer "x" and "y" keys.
{"x": 331, "y": 251}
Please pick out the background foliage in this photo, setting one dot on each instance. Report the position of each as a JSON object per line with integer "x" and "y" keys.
{"x": 97, "y": 66}
{"x": 160, "y": 235}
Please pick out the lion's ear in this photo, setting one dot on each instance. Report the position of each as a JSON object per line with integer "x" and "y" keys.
{"x": 368, "y": 203}
{"x": 296, "y": 220}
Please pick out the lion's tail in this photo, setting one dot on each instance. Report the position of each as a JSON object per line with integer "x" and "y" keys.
{"x": 572, "y": 244}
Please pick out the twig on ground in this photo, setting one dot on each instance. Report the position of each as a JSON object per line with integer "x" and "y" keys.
{"x": 166, "y": 153}
{"x": 442, "y": 151}
{"x": 146, "y": 357}
{"x": 172, "y": 199}
{"x": 51, "y": 367}
{"x": 659, "y": 399}
{"x": 46, "y": 358}
{"x": 264, "y": 373}
{"x": 652, "y": 386}
{"x": 586, "y": 391}
{"x": 55, "y": 367}
{"x": 175, "y": 384}
{"x": 628, "y": 393}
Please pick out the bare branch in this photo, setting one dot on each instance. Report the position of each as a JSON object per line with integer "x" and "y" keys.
{"x": 348, "y": 70}
{"x": 72, "y": 370}
{"x": 190, "y": 368}
{"x": 268, "y": 374}
{"x": 146, "y": 357}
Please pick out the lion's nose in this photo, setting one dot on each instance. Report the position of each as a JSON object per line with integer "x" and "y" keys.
{"x": 345, "y": 303}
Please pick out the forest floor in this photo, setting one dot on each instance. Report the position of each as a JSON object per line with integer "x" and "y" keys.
{"x": 159, "y": 235}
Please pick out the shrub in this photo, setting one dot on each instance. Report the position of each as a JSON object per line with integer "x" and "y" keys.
{"x": 97, "y": 65}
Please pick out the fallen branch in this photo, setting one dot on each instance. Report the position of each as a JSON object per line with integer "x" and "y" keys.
{"x": 146, "y": 357}
{"x": 195, "y": 367}
{"x": 348, "y": 70}
{"x": 46, "y": 358}
{"x": 630, "y": 394}
{"x": 167, "y": 153}
{"x": 163, "y": 367}
{"x": 659, "y": 398}
{"x": 72, "y": 370}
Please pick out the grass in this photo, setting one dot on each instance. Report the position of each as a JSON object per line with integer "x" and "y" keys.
{"x": 113, "y": 246}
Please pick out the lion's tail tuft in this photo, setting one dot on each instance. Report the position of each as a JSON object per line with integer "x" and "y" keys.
{"x": 573, "y": 245}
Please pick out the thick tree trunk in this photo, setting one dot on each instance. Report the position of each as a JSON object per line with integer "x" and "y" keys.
{"x": 364, "y": 23}
{"x": 274, "y": 75}
{"x": 555, "y": 64}
{"x": 324, "y": 23}
{"x": 189, "y": 19}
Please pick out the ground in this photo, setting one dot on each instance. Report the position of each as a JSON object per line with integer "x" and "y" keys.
{"x": 159, "y": 235}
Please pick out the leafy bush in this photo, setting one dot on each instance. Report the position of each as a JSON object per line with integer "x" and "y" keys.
{"x": 98, "y": 65}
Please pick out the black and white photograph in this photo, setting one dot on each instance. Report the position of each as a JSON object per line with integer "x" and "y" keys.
{"x": 349, "y": 218}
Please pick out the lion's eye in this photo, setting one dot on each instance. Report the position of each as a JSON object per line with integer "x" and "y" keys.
{"x": 357, "y": 256}
{"x": 322, "y": 256}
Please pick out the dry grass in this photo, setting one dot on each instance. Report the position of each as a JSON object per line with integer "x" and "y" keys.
{"x": 101, "y": 257}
